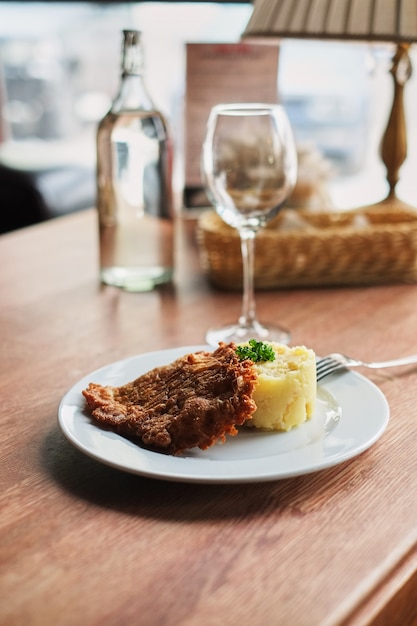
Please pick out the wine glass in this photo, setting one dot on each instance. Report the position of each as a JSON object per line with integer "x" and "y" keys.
{"x": 249, "y": 167}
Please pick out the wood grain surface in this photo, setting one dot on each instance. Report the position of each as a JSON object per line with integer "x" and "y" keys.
{"x": 82, "y": 543}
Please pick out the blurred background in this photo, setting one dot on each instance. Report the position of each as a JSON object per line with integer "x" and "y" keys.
{"x": 59, "y": 70}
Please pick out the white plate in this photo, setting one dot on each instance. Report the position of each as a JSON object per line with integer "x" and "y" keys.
{"x": 351, "y": 414}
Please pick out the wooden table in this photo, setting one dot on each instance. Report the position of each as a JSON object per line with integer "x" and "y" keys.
{"x": 82, "y": 543}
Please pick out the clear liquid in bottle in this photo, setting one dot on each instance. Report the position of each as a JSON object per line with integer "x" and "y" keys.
{"x": 134, "y": 192}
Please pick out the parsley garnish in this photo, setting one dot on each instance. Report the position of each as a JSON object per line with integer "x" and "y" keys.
{"x": 256, "y": 351}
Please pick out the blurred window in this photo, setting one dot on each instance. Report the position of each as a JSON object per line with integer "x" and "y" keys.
{"x": 60, "y": 68}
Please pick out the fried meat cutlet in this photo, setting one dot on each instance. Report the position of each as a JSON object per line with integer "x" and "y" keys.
{"x": 194, "y": 401}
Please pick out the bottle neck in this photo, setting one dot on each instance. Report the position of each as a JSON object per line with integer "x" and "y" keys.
{"x": 133, "y": 94}
{"x": 132, "y": 56}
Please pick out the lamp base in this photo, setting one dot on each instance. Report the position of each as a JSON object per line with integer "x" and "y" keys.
{"x": 391, "y": 202}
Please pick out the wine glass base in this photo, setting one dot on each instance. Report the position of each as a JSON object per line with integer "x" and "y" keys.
{"x": 239, "y": 333}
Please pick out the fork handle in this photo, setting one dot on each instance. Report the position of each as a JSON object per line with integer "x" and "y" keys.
{"x": 406, "y": 360}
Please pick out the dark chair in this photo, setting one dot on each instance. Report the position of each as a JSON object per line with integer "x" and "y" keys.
{"x": 21, "y": 203}
{"x": 30, "y": 197}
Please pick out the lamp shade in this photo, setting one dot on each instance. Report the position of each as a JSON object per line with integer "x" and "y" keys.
{"x": 361, "y": 20}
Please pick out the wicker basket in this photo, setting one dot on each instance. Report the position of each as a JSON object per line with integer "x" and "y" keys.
{"x": 345, "y": 248}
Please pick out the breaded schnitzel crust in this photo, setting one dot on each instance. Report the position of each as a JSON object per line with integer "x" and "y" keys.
{"x": 195, "y": 401}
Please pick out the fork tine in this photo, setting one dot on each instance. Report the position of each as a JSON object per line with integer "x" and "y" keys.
{"x": 324, "y": 363}
{"x": 326, "y": 366}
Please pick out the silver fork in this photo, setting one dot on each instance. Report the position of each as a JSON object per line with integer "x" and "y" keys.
{"x": 334, "y": 362}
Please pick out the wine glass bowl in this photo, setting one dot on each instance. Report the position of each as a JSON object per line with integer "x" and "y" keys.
{"x": 249, "y": 168}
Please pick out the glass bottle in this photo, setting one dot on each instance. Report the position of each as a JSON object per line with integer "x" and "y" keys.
{"x": 134, "y": 183}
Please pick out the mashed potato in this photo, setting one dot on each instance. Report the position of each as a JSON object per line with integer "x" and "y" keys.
{"x": 286, "y": 392}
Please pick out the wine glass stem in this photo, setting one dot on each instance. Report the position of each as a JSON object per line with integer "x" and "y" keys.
{"x": 247, "y": 243}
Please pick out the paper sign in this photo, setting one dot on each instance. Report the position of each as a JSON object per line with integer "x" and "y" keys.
{"x": 222, "y": 73}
